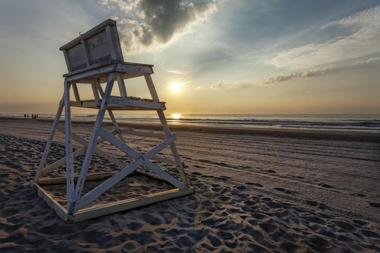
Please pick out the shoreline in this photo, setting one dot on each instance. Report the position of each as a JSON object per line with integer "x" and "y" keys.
{"x": 313, "y": 134}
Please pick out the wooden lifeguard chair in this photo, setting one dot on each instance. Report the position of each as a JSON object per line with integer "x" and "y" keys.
{"x": 93, "y": 58}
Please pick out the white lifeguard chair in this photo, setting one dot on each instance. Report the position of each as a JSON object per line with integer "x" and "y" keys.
{"x": 93, "y": 58}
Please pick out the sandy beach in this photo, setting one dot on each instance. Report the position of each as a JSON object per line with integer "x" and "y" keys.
{"x": 255, "y": 191}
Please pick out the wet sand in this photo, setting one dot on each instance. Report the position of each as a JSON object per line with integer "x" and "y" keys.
{"x": 254, "y": 192}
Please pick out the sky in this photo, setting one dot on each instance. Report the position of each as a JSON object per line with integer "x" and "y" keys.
{"x": 209, "y": 56}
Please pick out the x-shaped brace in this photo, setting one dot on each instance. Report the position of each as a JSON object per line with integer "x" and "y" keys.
{"x": 139, "y": 160}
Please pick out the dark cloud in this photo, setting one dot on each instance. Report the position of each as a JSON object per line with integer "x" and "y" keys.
{"x": 154, "y": 22}
{"x": 164, "y": 18}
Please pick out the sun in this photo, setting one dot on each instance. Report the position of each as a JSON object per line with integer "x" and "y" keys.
{"x": 176, "y": 116}
{"x": 175, "y": 87}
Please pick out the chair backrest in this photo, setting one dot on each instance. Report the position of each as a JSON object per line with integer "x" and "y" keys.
{"x": 96, "y": 47}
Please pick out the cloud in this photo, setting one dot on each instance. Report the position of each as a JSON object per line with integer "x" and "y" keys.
{"x": 227, "y": 86}
{"x": 362, "y": 41}
{"x": 304, "y": 74}
{"x": 146, "y": 24}
{"x": 247, "y": 84}
{"x": 176, "y": 72}
{"x": 318, "y": 72}
{"x": 368, "y": 60}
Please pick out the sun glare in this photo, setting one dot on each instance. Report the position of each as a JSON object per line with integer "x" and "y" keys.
{"x": 175, "y": 87}
{"x": 176, "y": 116}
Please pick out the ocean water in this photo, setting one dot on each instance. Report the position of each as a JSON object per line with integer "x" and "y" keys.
{"x": 344, "y": 122}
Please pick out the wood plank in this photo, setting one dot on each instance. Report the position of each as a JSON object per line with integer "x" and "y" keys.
{"x": 123, "y": 205}
{"x": 165, "y": 176}
{"x": 68, "y": 65}
{"x": 100, "y": 89}
{"x": 58, "y": 208}
{"x": 130, "y": 151}
{"x": 131, "y": 68}
{"x": 162, "y": 159}
{"x": 62, "y": 180}
{"x": 50, "y": 139}
{"x": 76, "y": 92}
{"x": 101, "y": 70}
{"x": 61, "y": 162}
{"x": 104, "y": 134}
{"x": 88, "y": 34}
{"x": 93, "y": 138}
{"x": 90, "y": 73}
{"x": 131, "y": 102}
{"x": 122, "y": 89}
{"x": 115, "y": 124}
{"x": 139, "y": 160}
{"x": 138, "y": 132}
{"x": 115, "y": 34}
{"x": 68, "y": 146}
{"x": 110, "y": 112}
{"x": 151, "y": 87}
{"x": 111, "y": 43}
{"x": 133, "y": 153}
{"x": 121, "y": 103}
{"x": 148, "y": 174}
{"x": 165, "y": 127}
{"x": 148, "y": 155}
{"x": 85, "y": 51}
{"x": 98, "y": 151}
{"x": 95, "y": 93}
{"x": 107, "y": 184}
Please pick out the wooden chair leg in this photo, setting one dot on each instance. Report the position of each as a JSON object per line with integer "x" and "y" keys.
{"x": 69, "y": 149}
{"x": 121, "y": 84}
{"x": 116, "y": 125}
{"x": 173, "y": 148}
{"x": 93, "y": 139}
{"x": 166, "y": 129}
{"x": 49, "y": 141}
{"x": 110, "y": 112}
{"x": 76, "y": 92}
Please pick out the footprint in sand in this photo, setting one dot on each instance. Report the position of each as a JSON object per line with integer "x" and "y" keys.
{"x": 318, "y": 243}
{"x": 370, "y": 234}
{"x": 255, "y": 184}
{"x": 268, "y": 226}
{"x": 311, "y": 203}
{"x": 284, "y": 190}
{"x": 344, "y": 225}
{"x": 359, "y": 195}
{"x": 325, "y": 185}
{"x": 224, "y": 178}
{"x": 134, "y": 225}
{"x": 377, "y": 205}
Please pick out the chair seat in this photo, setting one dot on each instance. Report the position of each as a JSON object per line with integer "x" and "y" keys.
{"x": 122, "y": 103}
{"x": 101, "y": 71}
